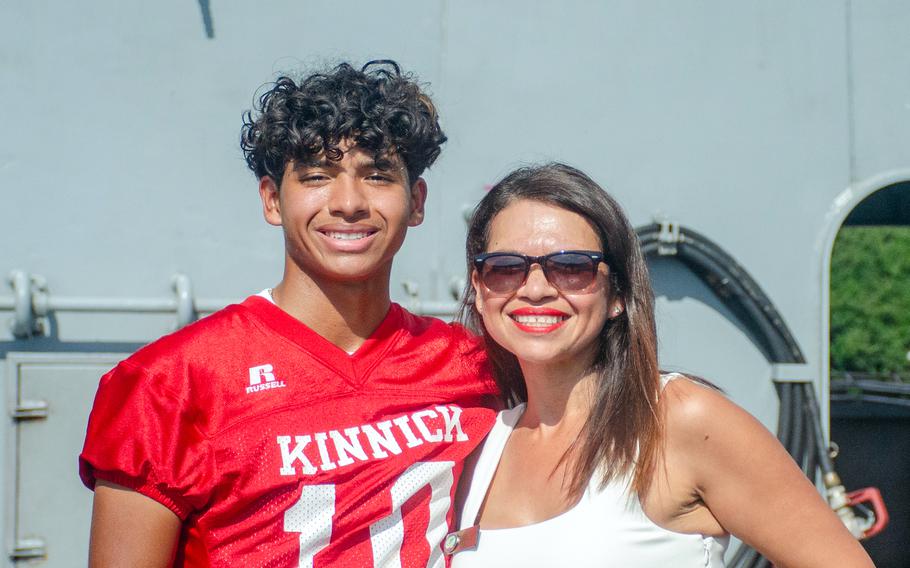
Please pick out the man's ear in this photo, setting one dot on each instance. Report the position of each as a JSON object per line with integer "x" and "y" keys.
{"x": 418, "y": 200}
{"x": 271, "y": 202}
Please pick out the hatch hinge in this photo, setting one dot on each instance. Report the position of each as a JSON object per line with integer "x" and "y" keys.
{"x": 30, "y": 410}
{"x": 28, "y": 549}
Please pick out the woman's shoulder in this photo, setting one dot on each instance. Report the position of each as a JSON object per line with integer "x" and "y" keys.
{"x": 691, "y": 395}
{"x": 705, "y": 432}
{"x": 695, "y": 411}
{"x": 744, "y": 477}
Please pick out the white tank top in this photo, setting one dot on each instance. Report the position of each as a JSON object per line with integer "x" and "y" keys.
{"x": 606, "y": 528}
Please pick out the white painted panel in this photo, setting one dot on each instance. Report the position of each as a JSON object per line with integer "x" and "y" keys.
{"x": 699, "y": 335}
{"x": 51, "y": 502}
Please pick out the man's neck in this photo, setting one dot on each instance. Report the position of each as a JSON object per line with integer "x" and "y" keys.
{"x": 344, "y": 313}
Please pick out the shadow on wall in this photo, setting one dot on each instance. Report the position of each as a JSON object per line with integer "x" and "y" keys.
{"x": 675, "y": 282}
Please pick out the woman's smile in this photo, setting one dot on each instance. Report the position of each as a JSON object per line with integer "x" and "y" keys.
{"x": 537, "y": 321}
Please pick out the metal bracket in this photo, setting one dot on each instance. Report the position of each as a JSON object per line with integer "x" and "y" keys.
{"x": 27, "y": 321}
{"x": 457, "y": 286}
{"x": 28, "y": 549}
{"x": 31, "y": 304}
{"x": 412, "y": 290}
{"x": 30, "y": 410}
{"x": 791, "y": 373}
{"x": 668, "y": 237}
{"x": 40, "y": 301}
{"x": 415, "y": 305}
{"x": 186, "y": 306}
{"x": 207, "y": 18}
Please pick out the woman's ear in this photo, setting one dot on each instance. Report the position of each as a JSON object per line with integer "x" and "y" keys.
{"x": 617, "y": 308}
{"x": 476, "y": 285}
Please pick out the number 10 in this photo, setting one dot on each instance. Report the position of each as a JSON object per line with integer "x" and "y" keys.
{"x": 311, "y": 516}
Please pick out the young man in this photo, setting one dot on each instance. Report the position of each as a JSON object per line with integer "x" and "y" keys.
{"x": 316, "y": 423}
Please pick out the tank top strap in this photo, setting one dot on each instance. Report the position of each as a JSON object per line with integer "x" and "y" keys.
{"x": 487, "y": 463}
{"x": 665, "y": 379}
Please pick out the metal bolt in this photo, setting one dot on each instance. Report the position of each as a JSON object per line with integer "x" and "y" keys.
{"x": 410, "y": 288}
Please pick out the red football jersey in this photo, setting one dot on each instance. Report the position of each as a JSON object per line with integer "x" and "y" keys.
{"x": 277, "y": 448}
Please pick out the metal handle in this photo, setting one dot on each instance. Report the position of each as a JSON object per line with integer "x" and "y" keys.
{"x": 31, "y": 303}
{"x": 30, "y": 410}
{"x": 28, "y": 549}
{"x": 879, "y": 512}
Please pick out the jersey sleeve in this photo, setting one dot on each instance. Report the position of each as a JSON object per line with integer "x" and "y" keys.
{"x": 143, "y": 435}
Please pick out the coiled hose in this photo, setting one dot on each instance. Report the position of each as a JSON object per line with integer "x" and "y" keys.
{"x": 799, "y": 426}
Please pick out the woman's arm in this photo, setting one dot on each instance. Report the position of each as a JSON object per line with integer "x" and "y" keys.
{"x": 131, "y": 530}
{"x": 750, "y": 483}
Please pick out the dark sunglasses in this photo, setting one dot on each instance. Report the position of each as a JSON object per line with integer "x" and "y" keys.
{"x": 567, "y": 270}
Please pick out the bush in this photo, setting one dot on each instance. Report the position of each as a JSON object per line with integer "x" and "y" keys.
{"x": 870, "y": 299}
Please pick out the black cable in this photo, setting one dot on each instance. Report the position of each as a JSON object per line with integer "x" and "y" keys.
{"x": 784, "y": 419}
{"x": 747, "y": 311}
{"x": 826, "y": 464}
{"x": 799, "y": 423}
{"x": 734, "y": 287}
{"x": 743, "y": 556}
{"x": 810, "y": 458}
{"x": 748, "y": 558}
{"x": 798, "y": 436}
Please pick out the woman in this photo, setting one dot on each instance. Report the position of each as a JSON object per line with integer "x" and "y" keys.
{"x": 605, "y": 462}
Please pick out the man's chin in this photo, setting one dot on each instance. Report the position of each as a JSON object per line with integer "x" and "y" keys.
{"x": 351, "y": 272}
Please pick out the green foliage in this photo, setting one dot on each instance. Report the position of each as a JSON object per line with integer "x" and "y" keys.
{"x": 870, "y": 299}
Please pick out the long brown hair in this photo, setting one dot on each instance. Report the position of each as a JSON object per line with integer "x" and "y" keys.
{"x": 623, "y": 431}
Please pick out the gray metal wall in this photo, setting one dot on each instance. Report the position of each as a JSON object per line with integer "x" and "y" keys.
{"x": 758, "y": 124}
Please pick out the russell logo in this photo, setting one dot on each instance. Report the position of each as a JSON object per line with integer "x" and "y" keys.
{"x": 263, "y": 378}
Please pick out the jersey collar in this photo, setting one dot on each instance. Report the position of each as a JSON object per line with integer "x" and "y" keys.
{"x": 355, "y": 367}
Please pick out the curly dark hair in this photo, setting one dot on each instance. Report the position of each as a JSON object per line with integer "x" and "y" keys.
{"x": 378, "y": 108}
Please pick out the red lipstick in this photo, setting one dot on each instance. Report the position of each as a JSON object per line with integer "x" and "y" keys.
{"x": 538, "y": 320}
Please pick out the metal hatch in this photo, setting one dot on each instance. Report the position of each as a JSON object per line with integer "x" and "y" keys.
{"x": 48, "y": 510}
